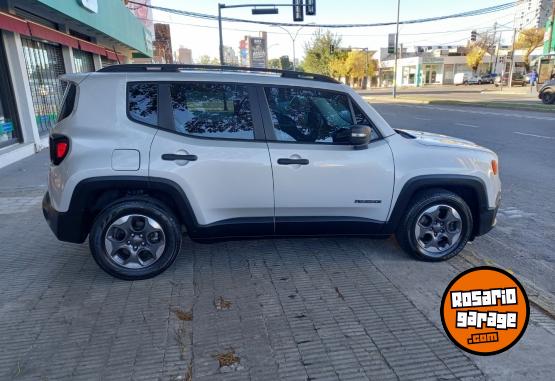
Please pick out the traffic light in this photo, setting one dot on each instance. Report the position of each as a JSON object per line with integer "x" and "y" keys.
{"x": 473, "y": 35}
{"x": 332, "y": 49}
{"x": 310, "y": 7}
{"x": 298, "y": 11}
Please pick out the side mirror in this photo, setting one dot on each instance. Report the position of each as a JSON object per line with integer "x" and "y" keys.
{"x": 360, "y": 136}
{"x": 357, "y": 136}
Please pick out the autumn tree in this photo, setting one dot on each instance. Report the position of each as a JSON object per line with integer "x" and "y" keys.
{"x": 529, "y": 40}
{"x": 356, "y": 66}
{"x": 475, "y": 56}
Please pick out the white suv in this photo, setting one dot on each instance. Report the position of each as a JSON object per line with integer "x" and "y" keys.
{"x": 143, "y": 153}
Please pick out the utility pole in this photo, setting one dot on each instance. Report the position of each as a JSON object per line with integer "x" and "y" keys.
{"x": 367, "y": 70}
{"x": 220, "y": 6}
{"x": 396, "y": 51}
{"x": 510, "y": 79}
{"x": 550, "y": 37}
{"x": 495, "y": 47}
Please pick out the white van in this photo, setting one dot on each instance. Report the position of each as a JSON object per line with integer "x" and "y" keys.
{"x": 461, "y": 79}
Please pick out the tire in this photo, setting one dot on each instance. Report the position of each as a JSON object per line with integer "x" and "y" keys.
{"x": 548, "y": 98}
{"x": 146, "y": 225}
{"x": 419, "y": 209}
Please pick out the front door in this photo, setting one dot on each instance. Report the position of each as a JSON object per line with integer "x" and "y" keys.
{"x": 322, "y": 185}
{"x": 213, "y": 147}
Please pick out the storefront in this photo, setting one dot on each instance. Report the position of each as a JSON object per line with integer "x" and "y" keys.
{"x": 9, "y": 122}
{"x": 43, "y": 39}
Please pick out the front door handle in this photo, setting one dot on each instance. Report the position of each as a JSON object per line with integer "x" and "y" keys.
{"x": 288, "y": 161}
{"x": 174, "y": 156}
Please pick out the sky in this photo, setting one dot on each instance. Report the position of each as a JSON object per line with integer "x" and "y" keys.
{"x": 202, "y": 35}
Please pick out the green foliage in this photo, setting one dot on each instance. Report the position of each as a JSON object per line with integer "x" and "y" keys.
{"x": 317, "y": 52}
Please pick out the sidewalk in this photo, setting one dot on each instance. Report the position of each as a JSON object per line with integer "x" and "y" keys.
{"x": 334, "y": 308}
{"x": 516, "y": 98}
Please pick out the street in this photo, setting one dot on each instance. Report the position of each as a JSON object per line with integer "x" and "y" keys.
{"x": 523, "y": 238}
{"x": 308, "y": 308}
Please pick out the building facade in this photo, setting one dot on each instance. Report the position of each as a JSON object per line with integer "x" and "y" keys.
{"x": 532, "y": 13}
{"x": 43, "y": 39}
{"x": 185, "y": 56}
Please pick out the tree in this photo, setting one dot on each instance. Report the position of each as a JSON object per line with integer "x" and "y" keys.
{"x": 356, "y": 66}
{"x": 317, "y": 52}
{"x": 529, "y": 40}
{"x": 475, "y": 56}
{"x": 207, "y": 60}
{"x": 274, "y": 63}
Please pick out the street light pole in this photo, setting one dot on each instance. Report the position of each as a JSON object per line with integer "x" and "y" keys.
{"x": 396, "y": 51}
{"x": 220, "y": 6}
{"x": 293, "y": 39}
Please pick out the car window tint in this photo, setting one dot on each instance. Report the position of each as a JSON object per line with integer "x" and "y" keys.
{"x": 308, "y": 115}
{"x": 143, "y": 102}
{"x": 68, "y": 103}
{"x": 212, "y": 110}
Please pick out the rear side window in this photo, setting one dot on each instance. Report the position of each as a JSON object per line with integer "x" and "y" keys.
{"x": 69, "y": 101}
{"x": 212, "y": 110}
{"x": 142, "y": 102}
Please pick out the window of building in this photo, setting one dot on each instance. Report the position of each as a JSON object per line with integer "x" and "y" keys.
{"x": 9, "y": 124}
{"x": 44, "y": 65}
{"x": 308, "y": 115}
{"x": 82, "y": 61}
{"x": 142, "y": 102}
{"x": 212, "y": 110}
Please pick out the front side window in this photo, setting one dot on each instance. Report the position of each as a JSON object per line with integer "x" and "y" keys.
{"x": 308, "y": 115}
{"x": 143, "y": 102}
{"x": 212, "y": 110}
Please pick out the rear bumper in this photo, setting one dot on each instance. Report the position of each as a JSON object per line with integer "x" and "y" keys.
{"x": 65, "y": 226}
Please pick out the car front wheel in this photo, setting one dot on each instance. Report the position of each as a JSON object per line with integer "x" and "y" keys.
{"x": 548, "y": 98}
{"x": 436, "y": 227}
{"x": 135, "y": 239}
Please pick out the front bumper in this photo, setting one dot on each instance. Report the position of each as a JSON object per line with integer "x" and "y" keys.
{"x": 487, "y": 220}
{"x": 65, "y": 226}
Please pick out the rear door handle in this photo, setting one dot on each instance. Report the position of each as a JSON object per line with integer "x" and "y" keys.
{"x": 287, "y": 161}
{"x": 174, "y": 156}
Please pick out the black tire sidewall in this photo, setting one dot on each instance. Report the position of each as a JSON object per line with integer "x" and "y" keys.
{"x": 164, "y": 217}
{"x": 447, "y": 199}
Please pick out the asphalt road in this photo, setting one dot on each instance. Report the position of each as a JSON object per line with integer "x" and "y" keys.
{"x": 523, "y": 240}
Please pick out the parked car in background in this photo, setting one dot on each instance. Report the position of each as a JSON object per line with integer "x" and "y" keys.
{"x": 489, "y": 78}
{"x": 518, "y": 80}
{"x": 547, "y": 92}
{"x": 474, "y": 80}
{"x": 461, "y": 78}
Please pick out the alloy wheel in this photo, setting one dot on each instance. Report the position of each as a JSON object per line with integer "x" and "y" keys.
{"x": 437, "y": 229}
{"x": 134, "y": 241}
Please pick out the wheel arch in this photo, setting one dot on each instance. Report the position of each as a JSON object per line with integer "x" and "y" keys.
{"x": 470, "y": 188}
{"x": 92, "y": 195}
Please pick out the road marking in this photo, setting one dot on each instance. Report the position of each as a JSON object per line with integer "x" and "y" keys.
{"x": 417, "y": 117}
{"x": 534, "y": 135}
{"x": 467, "y": 125}
{"x": 468, "y": 110}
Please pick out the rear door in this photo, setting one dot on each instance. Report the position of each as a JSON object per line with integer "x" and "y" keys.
{"x": 322, "y": 186}
{"x": 212, "y": 145}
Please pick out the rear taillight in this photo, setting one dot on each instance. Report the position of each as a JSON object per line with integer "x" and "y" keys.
{"x": 59, "y": 148}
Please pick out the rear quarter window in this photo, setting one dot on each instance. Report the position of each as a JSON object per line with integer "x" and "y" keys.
{"x": 68, "y": 103}
{"x": 142, "y": 102}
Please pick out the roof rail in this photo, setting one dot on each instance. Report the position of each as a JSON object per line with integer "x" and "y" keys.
{"x": 128, "y": 68}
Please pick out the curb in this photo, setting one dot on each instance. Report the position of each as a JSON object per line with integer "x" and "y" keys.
{"x": 540, "y": 298}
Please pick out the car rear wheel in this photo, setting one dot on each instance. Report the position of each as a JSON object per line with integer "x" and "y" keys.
{"x": 436, "y": 227}
{"x": 548, "y": 97}
{"x": 135, "y": 239}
